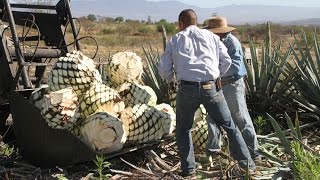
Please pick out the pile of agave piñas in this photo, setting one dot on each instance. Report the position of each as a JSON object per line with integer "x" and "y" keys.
{"x": 104, "y": 112}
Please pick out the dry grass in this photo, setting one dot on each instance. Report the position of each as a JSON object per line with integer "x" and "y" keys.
{"x": 112, "y": 43}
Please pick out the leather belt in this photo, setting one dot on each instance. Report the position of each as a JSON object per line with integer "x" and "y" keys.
{"x": 196, "y": 83}
{"x": 204, "y": 84}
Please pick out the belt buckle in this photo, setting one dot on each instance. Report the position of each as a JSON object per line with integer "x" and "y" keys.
{"x": 207, "y": 86}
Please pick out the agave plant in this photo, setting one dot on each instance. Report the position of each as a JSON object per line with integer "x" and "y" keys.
{"x": 304, "y": 74}
{"x": 152, "y": 78}
{"x": 265, "y": 71}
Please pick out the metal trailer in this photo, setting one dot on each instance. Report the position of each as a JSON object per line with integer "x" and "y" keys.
{"x": 37, "y": 143}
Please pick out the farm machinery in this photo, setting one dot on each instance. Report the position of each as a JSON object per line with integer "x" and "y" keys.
{"x": 23, "y": 63}
{"x": 71, "y": 112}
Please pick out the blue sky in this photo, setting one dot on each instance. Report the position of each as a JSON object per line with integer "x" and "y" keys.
{"x": 212, "y": 3}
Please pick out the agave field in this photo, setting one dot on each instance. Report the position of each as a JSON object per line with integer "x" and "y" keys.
{"x": 126, "y": 106}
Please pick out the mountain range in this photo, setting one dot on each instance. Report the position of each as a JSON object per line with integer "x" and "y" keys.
{"x": 169, "y": 10}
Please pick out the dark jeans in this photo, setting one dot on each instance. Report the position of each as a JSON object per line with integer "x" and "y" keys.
{"x": 189, "y": 98}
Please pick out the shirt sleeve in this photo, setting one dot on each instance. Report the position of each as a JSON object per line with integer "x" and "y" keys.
{"x": 165, "y": 66}
{"x": 224, "y": 59}
{"x": 236, "y": 54}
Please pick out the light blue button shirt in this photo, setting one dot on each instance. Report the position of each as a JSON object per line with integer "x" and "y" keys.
{"x": 237, "y": 68}
{"x": 194, "y": 54}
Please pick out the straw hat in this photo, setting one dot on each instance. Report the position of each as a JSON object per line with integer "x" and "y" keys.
{"x": 218, "y": 24}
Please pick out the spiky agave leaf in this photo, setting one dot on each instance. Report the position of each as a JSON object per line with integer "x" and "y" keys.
{"x": 100, "y": 98}
{"x": 103, "y": 132}
{"x": 284, "y": 141}
{"x": 60, "y": 108}
{"x": 134, "y": 93}
{"x": 143, "y": 123}
{"x": 152, "y": 78}
{"x": 75, "y": 70}
{"x": 264, "y": 74}
{"x": 124, "y": 67}
{"x": 304, "y": 76}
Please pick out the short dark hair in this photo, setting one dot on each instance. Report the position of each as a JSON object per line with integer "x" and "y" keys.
{"x": 188, "y": 17}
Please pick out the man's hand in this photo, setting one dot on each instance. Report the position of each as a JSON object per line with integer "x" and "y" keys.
{"x": 218, "y": 84}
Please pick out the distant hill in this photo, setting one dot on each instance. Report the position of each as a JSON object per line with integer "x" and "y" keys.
{"x": 169, "y": 10}
{"x": 304, "y": 22}
{"x": 130, "y": 9}
{"x": 240, "y": 14}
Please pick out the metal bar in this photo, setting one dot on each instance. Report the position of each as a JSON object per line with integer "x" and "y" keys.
{"x": 38, "y": 53}
{"x": 21, "y": 70}
{"x": 33, "y": 6}
{"x": 52, "y": 64}
{"x": 30, "y": 38}
{"x": 73, "y": 26}
{"x": 40, "y": 75}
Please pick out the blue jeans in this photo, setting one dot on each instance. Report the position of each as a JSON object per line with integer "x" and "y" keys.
{"x": 234, "y": 94}
{"x": 189, "y": 98}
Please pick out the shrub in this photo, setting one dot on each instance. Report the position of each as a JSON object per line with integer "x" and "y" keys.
{"x": 306, "y": 163}
{"x": 170, "y": 27}
{"x": 91, "y": 17}
{"x": 119, "y": 19}
{"x": 145, "y": 29}
{"x": 123, "y": 29}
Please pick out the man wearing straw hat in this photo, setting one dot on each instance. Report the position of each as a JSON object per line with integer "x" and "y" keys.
{"x": 233, "y": 89}
{"x": 198, "y": 58}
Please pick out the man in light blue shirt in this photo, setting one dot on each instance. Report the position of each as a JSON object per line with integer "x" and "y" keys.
{"x": 198, "y": 58}
{"x": 233, "y": 89}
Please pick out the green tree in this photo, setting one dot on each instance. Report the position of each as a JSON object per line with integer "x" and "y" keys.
{"x": 119, "y": 19}
{"x": 170, "y": 27}
{"x": 162, "y": 21}
{"x": 91, "y": 17}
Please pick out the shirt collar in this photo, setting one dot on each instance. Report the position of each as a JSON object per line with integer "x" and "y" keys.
{"x": 191, "y": 27}
{"x": 226, "y": 36}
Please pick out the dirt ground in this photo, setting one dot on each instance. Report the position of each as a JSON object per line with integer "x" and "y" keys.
{"x": 158, "y": 161}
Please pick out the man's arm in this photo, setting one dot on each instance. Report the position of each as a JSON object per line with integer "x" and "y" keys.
{"x": 165, "y": 66}
{"x": 224, "y": 58}
{"x": 236, "y": 53}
